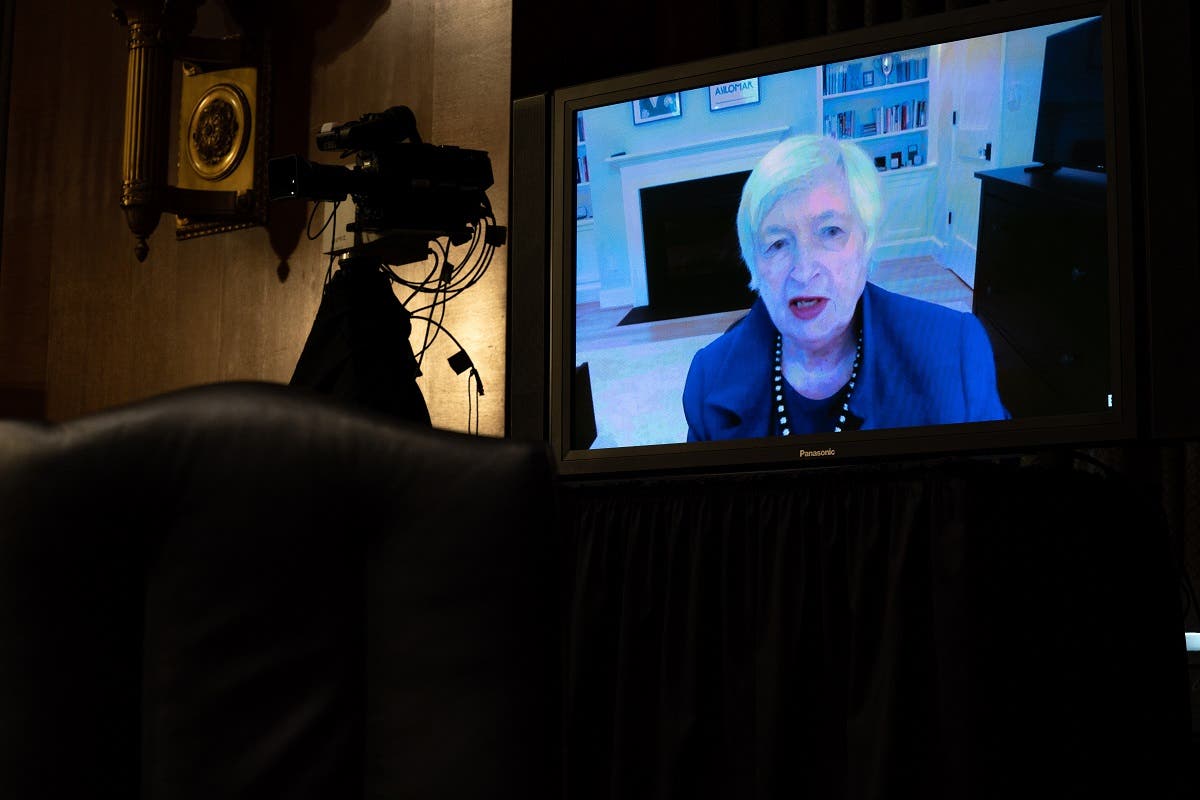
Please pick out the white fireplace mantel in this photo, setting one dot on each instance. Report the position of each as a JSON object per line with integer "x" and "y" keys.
{"x": 672, "y": 165}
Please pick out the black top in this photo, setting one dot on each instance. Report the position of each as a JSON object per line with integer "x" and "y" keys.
{"x": 805, "y": 415}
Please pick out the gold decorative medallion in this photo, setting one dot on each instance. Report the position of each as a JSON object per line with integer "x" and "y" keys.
{"x": 218, "y": 132}
{"x": 223, "y": 148}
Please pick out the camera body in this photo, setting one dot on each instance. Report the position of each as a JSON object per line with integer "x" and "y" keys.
{"x": 406, "y": 191}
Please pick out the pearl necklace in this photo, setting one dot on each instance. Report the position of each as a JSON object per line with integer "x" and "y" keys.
{"x": 781, "y": 410}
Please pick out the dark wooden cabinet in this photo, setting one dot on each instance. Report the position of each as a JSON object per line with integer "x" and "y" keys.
{"x": 1041, "y": 287}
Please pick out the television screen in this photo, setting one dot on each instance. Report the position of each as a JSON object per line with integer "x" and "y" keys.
{"x": 842, "y": 249}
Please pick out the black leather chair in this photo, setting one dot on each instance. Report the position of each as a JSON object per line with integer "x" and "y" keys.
{"x": 242, "y": 590}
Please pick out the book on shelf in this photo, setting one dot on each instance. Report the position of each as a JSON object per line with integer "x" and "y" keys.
{"x": 898, "y": 118}
{"x": 916, "y": 68}
{"x": 841, "y": 78}
{"x": 579, "y": 134}
{"x": 848, "y": 75}
{"x": 839, "y": 125}
{"x": 909, "y": 68}
{"x": 901, "y": 116}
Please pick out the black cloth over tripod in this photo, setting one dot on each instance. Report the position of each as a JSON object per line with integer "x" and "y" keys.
{"x": 358, "y": 349}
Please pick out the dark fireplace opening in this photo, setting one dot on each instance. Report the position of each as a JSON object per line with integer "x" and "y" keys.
{"x": 693, "y": 264}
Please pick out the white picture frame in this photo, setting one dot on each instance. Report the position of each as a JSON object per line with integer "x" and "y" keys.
{"x": 733, "y": 93}
{"x": 659, "y": 106}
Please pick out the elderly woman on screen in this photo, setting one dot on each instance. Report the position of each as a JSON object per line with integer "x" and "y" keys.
{"x": 823, "y": 350}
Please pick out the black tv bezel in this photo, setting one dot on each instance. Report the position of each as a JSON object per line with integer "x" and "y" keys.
{"x": 1097, "y": 428}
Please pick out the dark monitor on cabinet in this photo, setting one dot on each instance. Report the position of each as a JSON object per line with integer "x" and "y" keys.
{"x": 1070, "y": 124}
{"x": 928, "y": 348}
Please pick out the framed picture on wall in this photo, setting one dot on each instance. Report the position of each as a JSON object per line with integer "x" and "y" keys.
{"x": 660, "y": 106}
{"x": 734, "y": 93}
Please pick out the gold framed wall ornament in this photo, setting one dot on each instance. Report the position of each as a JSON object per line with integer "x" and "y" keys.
{"x": 223, "y": 115}
{"x": 223, "y": 145}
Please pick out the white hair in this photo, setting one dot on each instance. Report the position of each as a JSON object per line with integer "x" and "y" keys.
{"x": 788, "y": 166}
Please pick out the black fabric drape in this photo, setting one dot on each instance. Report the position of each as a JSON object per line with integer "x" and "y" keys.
{"x": 1170, "y": 473}
{"x": 358, "y": 350}
{"x": 949, "y": 630}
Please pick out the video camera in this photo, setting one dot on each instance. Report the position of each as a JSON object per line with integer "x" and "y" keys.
{"x": 404, "y": 190}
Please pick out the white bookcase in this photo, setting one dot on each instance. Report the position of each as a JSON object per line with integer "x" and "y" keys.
{"x": 587, "y": 268}
{"x": 884, "y": 104}
{"x": 583, "y": 187}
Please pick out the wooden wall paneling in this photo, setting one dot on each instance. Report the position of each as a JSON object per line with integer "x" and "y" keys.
{"x": 120, "y": 330}
{"x": 471, "y": 108}
{"x": 6, "y": 38}
{"x": 23, "y": 325}
{"x": 24, "y": 290}
{"x": 154, "y": 299}
{"x": 82, "y": 319}
{"x": 88, "y": 308}
{"x": 371, "y": 56}
{"x": 284, "y": 312}
{"x": 244, "y": 298}
{"x": 264, "y": 321}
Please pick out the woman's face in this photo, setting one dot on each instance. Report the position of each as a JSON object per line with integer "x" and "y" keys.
{"x": 812, "y": 261}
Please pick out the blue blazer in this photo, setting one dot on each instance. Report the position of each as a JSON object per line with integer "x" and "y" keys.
{"x": 922, "y": 364}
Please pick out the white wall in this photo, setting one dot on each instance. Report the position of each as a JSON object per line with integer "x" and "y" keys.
{"x": 788, "y": 99}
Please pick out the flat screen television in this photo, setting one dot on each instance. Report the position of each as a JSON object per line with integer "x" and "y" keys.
{"x": 921, "y": 286}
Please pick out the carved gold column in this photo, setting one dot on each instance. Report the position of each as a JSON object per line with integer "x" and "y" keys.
{"x": 155, "y": 28}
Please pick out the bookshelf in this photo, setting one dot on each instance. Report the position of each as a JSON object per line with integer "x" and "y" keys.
{"x": 587, "y": 267}
{"x": 889, "y": 116}
{"x": 583, "y": 187}
{"x": 882, "y": 103}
